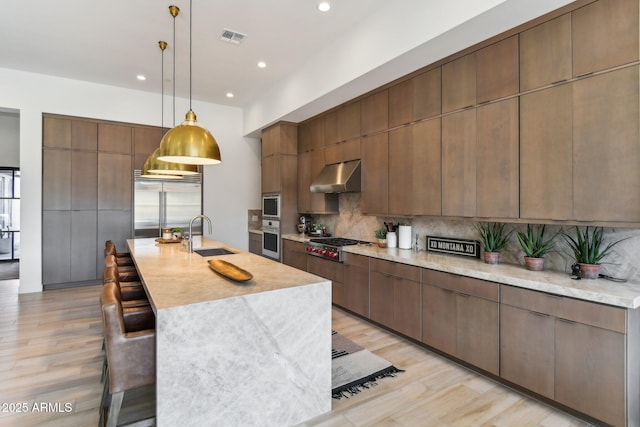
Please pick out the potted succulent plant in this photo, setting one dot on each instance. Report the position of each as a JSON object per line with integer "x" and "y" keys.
{"x": 587, "y": 250}
{"x": 493, "y": 238}
{"x": 381, "y": 235}
{"x": 534, "y": 245}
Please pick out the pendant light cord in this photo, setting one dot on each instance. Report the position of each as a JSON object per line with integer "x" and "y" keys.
{"x": 190, "y": 34}
{"x": 162, "y": 94}
{"x": 174, "y": 71}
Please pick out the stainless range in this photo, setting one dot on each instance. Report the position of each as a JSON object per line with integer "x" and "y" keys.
{"x": 330, "y": 247}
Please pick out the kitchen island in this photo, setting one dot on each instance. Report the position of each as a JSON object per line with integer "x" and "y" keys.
{"x": 236, "y": 353}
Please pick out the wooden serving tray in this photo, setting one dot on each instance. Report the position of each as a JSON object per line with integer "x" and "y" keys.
{"x": 161, "y": 240}
{"x": 229, "y": 270}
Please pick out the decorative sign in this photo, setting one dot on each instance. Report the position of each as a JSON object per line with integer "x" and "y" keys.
{"x": 470, "y": 248}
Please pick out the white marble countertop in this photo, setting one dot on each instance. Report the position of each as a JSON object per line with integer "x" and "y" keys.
{"x": 603, "y": 291}
{"x": 173, "y": 277}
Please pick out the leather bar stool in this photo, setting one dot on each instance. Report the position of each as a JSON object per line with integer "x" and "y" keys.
{"x": 136, "y": 309}
{"x": 127, "y": 273}
{"x": 131, "y": 356}
{"x": 122, "y": 258}
{"x": 129, "y": 290}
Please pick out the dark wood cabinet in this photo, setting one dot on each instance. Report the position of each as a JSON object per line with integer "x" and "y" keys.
{"x": 414, "y": 169}
{"x": 497, "y": 160}
{"x": 427, "y": 94}
{"x": 56, "y": 179}
{"x": 459, "y": 164}
{"x": 497, "y": 70}
{"x": 255, "y": 243}
{"x": 87, "y": 196}
{"x": 526, "y": 340}
{"x": 401, "y": 171}
{"x": 461, "y": 317}
{"x": 84, "y": 245}
{"x": 56, "y": 247}
{"x": 374, "y": 113}
{"x": 342, "y": 151}
{"x": 145, "y": 141}
{"x": 84, "y": 180}
{"x": 606, "y": 153}
{"x": 115, "y": 181}
{"x": 395, "y": 296}
{"x": 115, "y": 138}
{"x": 375, "y": 178}
{"x": 356, "y": 284}
{"x": 401, "y": 103}
{"x": 330, "y": 270}
{"x": 576, "y": 352}
{"x": 84, "y": 135}
{"x": 311, "y": 135}
{"x": 459, "y": 83}
{"x": 546, "y": 165}
{"x": 294, "y": 255}
{"x": 605, "y": 35}
{"x": 590, "y": 370}
{"x": 545, "y": 53}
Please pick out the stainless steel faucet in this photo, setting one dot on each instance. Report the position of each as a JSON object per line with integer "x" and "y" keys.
{"x": 191, "y": 226}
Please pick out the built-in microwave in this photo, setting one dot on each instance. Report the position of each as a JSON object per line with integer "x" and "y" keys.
{"x": 271, "y": 206}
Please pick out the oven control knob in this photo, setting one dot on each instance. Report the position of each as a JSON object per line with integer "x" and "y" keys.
{"x": 324, "y": 251}
{"x": 333, "y": 254}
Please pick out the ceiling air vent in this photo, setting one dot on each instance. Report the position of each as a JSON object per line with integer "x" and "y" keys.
{"x": 232, "y": 36}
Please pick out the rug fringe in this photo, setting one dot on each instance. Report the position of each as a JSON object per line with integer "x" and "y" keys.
{"x": 356, "y": 387}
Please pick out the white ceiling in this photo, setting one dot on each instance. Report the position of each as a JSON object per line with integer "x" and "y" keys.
{"x": 110, "y": 42}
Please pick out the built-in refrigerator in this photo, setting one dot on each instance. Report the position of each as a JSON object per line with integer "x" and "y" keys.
{"x": 166, "y": 203}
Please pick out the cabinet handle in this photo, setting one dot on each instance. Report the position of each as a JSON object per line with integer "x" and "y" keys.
{"x": 558, "y": 81}
{"x": 570, "y": 322}
{"x": 463, "y": 295}
{"x": 584, "y": 74}
{"x": 535, "y": 313}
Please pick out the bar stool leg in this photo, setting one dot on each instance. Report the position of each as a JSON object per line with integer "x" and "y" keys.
{"x": 114, "y": 409}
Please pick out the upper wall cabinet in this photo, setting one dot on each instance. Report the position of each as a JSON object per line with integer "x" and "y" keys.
{"x": 401, "y": 103}
{"x": 375, "y": 174}
{"x": 427, "y": 94}
{"x": 545, "y": 53}
{"x": 459, "y": 83}
{"x": 342, "y": 124}
{"x": 145, "y": 142}
{"x": 497, "y": 71}
{"x": 374, "y": 113}
{"x": 546, "y": 166}
{"x": 605, "y": 35}
{"x": 311, "y": 135}
{"x": 115, "y": 138}
{"x": 606, "y": 152}
{"x": 415, "y": 99}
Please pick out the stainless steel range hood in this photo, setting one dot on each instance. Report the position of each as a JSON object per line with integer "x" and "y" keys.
{"x": 338, "y": 178}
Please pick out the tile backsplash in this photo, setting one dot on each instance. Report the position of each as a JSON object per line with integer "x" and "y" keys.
{"x": 623, "y": 261}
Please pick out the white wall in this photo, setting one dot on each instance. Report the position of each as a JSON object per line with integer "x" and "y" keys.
{"x": 9, "y": 139}
{"x": 33, "y": 94}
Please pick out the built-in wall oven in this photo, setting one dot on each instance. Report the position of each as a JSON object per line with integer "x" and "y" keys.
{"x": 271, "y": 238}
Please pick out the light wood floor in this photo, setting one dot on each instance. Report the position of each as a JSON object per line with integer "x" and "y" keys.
{"x": 50, "y": 353}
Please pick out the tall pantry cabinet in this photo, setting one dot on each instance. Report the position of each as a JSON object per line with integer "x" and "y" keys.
{"x": 87, "y": 193}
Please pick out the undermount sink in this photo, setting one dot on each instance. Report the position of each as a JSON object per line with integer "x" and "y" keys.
{"x": 213, "y": 252}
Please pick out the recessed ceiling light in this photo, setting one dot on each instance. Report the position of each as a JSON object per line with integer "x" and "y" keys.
{"x": 141, "y": 77}
{"x": 262, "y": 64}
{"x": 324, "y": 6}
{"x": 229, "y": 94}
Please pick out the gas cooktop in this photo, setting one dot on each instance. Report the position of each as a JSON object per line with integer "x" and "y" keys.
{"x": 331, "y": 247}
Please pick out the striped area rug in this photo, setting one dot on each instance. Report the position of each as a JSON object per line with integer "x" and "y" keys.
{"x": 355, "y": 368}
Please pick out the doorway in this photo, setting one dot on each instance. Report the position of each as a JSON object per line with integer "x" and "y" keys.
{"x": 9, "y": 194}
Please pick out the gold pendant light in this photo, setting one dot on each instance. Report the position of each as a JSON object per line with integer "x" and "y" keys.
{"x": 189, "y": 142}
{"x": 154, "y": 168}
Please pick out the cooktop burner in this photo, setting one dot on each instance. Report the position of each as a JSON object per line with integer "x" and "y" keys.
{"x": 336, "y": 241}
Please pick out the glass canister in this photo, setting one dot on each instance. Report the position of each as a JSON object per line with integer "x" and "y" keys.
{"x": 167, "y": 234}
